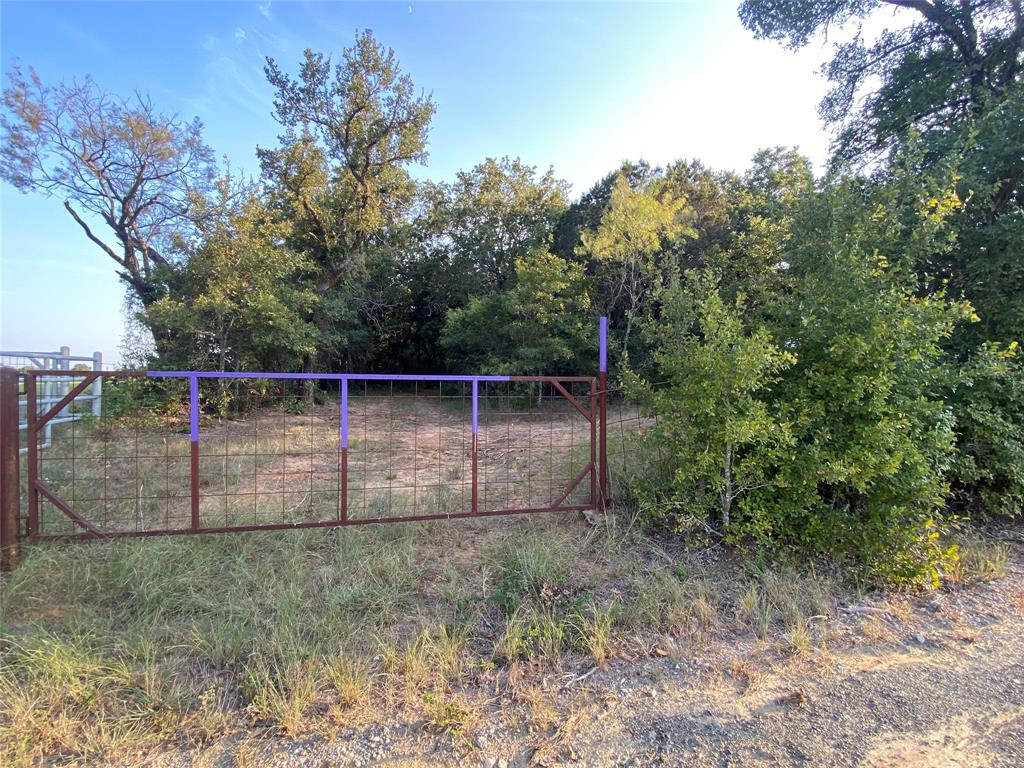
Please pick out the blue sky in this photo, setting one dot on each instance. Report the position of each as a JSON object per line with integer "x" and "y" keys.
{"x": 579, "y": 87}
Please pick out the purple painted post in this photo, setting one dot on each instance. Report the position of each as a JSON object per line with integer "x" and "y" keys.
{"x": 193, "y": 417}
{"x": 344, "y": 413}
{"x": 603, "y": 367}
{"x": 602, "y": 385}
{"x": 193, "y": 408}
{"x": 473, "y": 491}
{"x": 475, "y": 397}
{"x": 343, "y": 470}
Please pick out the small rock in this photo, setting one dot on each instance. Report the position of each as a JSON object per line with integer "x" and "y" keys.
{"x": 503, "y": 763}
{"x": 920, "y": 638}
{"x": 489, "y": 762}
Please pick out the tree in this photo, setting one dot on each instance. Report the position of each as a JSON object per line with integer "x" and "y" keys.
{"x": 762, "y": 205}
{"x": 635, "y": 230}
{"x": 236, "y": 303}
{"x": 718, "y": 436}
{"x": 874, "y": 439}
{"x": 493, "y": 215}
{"x": 585, "y": 214}
{"x": 988, "y": 398}
{"x": 540, "y": 325}
{"x": 114, "y": 161}
{"x": 950, "y": 61}
{"x": 339, "y": 176}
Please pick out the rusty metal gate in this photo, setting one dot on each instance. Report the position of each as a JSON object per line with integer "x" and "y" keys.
{"x": 164, "y": 457}
{"x": 386, "y": 448}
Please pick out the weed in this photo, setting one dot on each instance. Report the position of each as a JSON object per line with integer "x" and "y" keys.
{"x": 281, "y": 695}
{"x": 797, "y": 637}
{"x": 534, "y": 567}
{"x": 448, "y": 714}
{"x": 350, "y": 678}
{"x": 754, "y": 611}
{"x": 595, "y": 631}
{"x": 980, "y": 559}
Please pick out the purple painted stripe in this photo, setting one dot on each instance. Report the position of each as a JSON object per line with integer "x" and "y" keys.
{"x": 604, "y": 345}
{"x": 344, "y": 413}
{"x": 474, "y": 405}
{"x": 193, "y": 408}
{"x": 323, "y": 376}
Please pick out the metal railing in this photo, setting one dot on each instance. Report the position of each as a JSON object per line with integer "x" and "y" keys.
{"x": 51, "y": 389}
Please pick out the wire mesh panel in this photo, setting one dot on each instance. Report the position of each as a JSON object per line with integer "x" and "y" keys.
{"x": 534, "y": 445}
{"x": 117, "y": 472}
{"x": 198, "y": 452}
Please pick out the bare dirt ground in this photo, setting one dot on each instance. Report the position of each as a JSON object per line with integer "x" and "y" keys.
{"x": 933, "y": 680}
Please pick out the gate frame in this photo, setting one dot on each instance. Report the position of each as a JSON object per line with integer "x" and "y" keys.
{"x": 10, "y": 527}
{"x": 37, "y": 422}
{"x": 10, "y": 475}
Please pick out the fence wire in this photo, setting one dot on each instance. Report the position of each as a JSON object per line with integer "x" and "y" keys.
{"x": 266, "y": 459}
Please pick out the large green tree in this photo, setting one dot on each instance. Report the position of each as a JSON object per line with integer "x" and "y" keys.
{"x": 943, "y": 84}
{"x": 630, "y": 250}
{"x": 938, "y": 63}
{"x": 541, "y": 325}
{"x": 238, "y": 301}
{"x": 492, "y": 215}
{"x": 340, "y": 174}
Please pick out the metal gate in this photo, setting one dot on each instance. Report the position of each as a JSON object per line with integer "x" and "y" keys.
{"x": 163, "y": 456}
{"x": 383, "y": 449}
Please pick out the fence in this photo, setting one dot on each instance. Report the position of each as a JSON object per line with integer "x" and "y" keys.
{"x": 169, "y": 453}
{"x": 53, "y": 388}
{"x": 376, "y": 449}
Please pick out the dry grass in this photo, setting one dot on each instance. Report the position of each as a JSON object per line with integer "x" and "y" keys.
{"x": 111, "y": 648}
{"x": 981, "y": 559}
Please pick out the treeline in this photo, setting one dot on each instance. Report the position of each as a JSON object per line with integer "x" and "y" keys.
{"x": 834, "y": 360}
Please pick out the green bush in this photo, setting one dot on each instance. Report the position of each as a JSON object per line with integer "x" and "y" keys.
{"x": 988, "y": 402}
{"x": 809, "y": 423}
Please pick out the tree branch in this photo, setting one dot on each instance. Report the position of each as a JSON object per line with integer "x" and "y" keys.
{"x": 88, "y": 232}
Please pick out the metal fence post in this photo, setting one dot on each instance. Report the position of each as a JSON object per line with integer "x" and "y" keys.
{"x": 602, "y": 383}
{"x": 97, "y": 388}
{"x": 343, "y": 470}
{"x": 10, "y": 482}
{"x": 32, "y": 438}
{"x": 193, "y": 417}
{"x": 473, "y": 492}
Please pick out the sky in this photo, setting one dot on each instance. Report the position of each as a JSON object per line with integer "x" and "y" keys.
{"x": 578, "y": 87}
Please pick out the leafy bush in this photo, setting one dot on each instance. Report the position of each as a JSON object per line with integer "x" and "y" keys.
{"x": 988, "y": 401}
{"x": 718, "y": 436}
{"x": 810, "y": 422}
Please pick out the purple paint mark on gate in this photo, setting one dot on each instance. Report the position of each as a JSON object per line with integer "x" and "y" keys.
{"x": 344, "y": 413}
{"x": 474, "y": 405}
{"x": 193, "y": 408}
{"x": 604, "y": 345}
{"x": 323, "y": 376}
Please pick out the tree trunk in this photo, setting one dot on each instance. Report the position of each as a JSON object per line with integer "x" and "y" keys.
{"x": 309, "y": 385}
{"x": 727, "y": 493}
